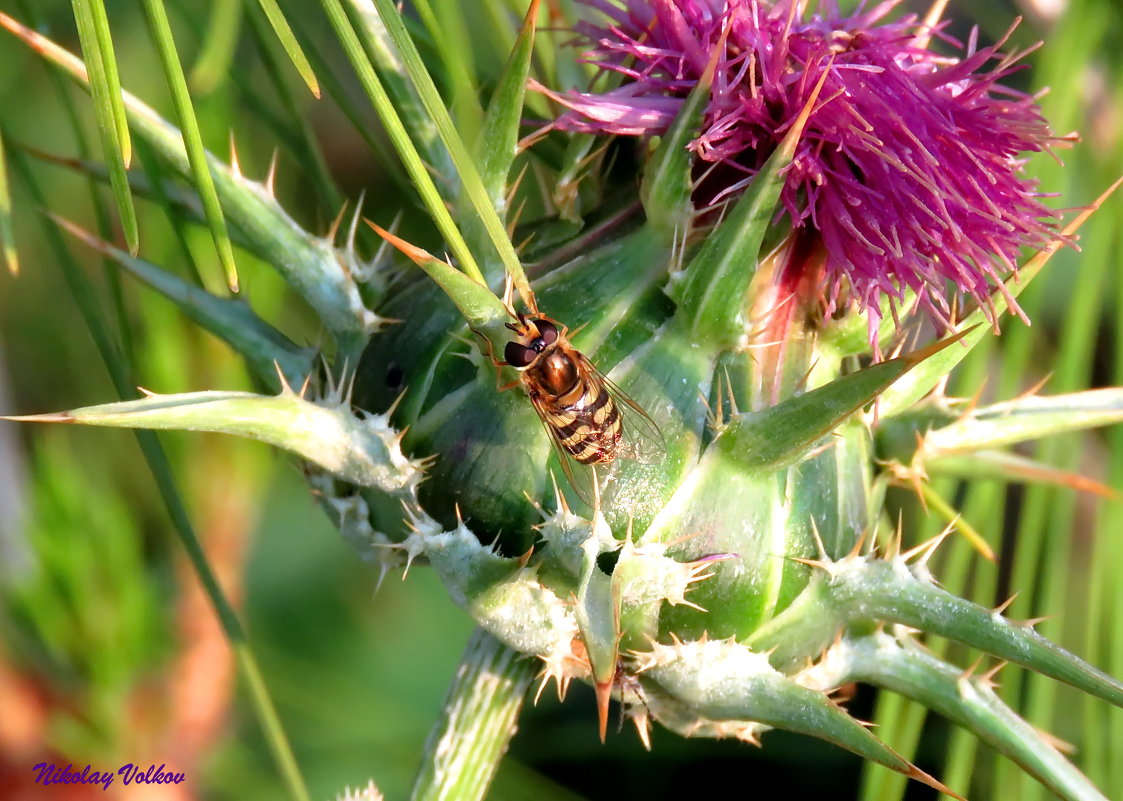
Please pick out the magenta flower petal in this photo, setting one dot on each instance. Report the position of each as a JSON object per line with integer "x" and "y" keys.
{"x": 909, "y": 169}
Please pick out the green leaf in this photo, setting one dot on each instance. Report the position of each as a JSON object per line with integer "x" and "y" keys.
{"x": 113, "y": 129}
{"x": 598, "y": 617}
{"x": 452, "y": 41}
{"x": 93, "y": 11}
{"x": 712, "y": 293}
{"x": 667, "y": 184}
{"x": 402, "y": 139}
{"x": 861, "y": 589}
{"x": 292, "y": 46}
{"x": 780, "y": 435}
{"x": 265, "y": 349}
{"x": 299, "y": 131}
{"x": 726, "y": 682}
{"x": 881, "y": 660}
{"x": 406, "y": 102}
{"x": 1028, "y": 418}
{"x": 483, "y": 312}
{"x": 362, "y": 451}
{"x": 500, "y": 133}
{"x": 192, "y": 139}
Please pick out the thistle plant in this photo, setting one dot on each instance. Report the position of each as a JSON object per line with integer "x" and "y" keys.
{"x": 776, "y": 230}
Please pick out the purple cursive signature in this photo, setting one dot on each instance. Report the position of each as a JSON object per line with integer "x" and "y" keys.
{"x": 130, "y": 774}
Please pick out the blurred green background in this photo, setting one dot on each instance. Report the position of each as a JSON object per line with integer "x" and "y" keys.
{"x": 108, "y": 654}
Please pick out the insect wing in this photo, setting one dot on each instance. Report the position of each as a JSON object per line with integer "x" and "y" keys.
{"x": 642, "y": 441}
{"x": 581, "y": 477}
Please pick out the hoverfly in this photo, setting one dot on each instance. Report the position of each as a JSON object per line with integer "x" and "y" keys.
{"x": 590, "y": 420}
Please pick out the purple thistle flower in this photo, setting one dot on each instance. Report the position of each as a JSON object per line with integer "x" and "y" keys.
{"x": 908, "y": 169}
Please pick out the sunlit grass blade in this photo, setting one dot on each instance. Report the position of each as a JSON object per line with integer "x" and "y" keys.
{"x": 473, "y": 185}
{"x": 192, "y": 138}
{"x": 950, "y": 516}
{"x": 402, "y": 139}
{"x": 105, "y": 86}
{"x": 292, "y": 46}
{"x": 157, "y": 460}
{"x": 212, "y": 67}
{"x": 7, "y": 230}
{"x": 93, "y": 11}
{"x": 1047, "y": 514}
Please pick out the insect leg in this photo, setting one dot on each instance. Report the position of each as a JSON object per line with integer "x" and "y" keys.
{"x": 490, "y": 351}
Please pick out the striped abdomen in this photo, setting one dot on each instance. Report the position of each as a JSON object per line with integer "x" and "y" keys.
{"x": 575, "y": 405}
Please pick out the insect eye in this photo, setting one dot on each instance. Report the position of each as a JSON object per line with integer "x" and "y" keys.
{"x": 547, "y": 331}
{"x": 518, "y": 355}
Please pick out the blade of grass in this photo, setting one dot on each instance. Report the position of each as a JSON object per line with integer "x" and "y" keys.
{"x": 473, "y": 185}
{"x": 112, "y": 130}
{"x": 1042, "y": 561}
{"x": 192, "y": 140}
{"x": 309, "y": 263}
{"x": 288, "y": 41}
{"x": 212, "y": 67}
{"x": 7, "y": 231}
{"x": 154, "y": 454}
{"x": 900, "y": 722}
{"x": 401, "y": 139}
{"x": 1110, "y": 631}
{"x": 309, "y": 153}
{"x": 104, "y": 43}
{"x": 451, "y": 39}
{"x": 380, "y": 50}
{"x": 33, "y": 12}
{"x": 177, "y": 219}
{"x": 362, "y": 123}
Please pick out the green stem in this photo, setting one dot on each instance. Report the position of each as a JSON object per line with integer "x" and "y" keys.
{"x": 465, "y": 745}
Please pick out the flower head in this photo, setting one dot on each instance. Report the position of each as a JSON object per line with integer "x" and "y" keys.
{"x": 908, "y": 169}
